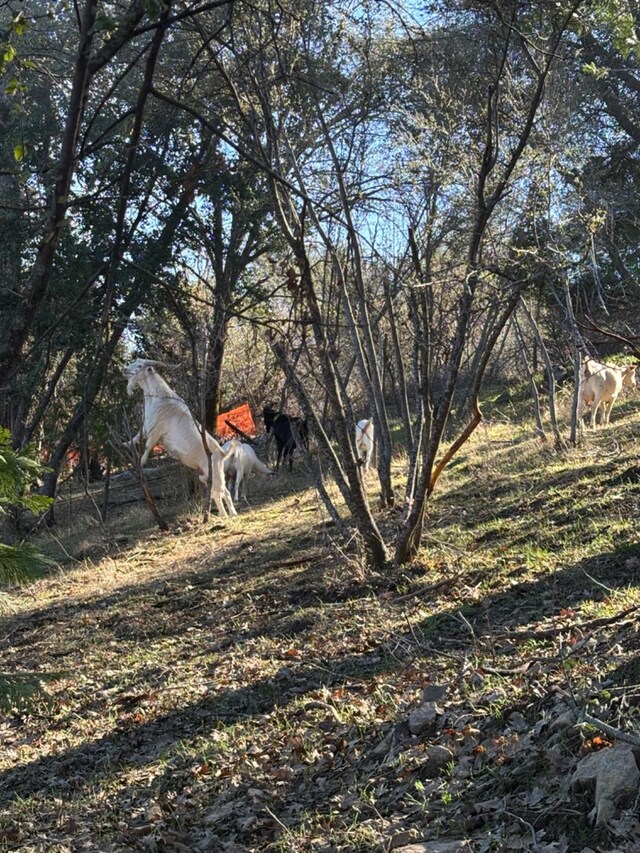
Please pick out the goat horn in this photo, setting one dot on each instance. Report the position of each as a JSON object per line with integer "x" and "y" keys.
{"x": 161, "y": 364}
{"x": 151, "y": 361}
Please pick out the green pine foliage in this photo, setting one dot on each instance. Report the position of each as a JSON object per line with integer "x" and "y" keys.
{"x": 18, "y": 471}
{"x": 21, "y": 562}
{"x": 21, "y": 689}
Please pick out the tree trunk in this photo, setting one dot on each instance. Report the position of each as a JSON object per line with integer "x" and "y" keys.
{"x": 217, "y": 342}
{"x": 577, "y": 365}
{"x": 551, "y": 382}
{"x": 38, "y": 283}
{"x": 532, "y": 381}
{"x": 348, "y": 478}
{"x": 410, "y": 535}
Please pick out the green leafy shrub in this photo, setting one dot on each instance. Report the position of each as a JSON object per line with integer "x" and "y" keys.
{"x": 19, "y": 562}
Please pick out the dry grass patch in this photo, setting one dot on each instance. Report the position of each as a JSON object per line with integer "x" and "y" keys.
{"x": 247, "y": 686}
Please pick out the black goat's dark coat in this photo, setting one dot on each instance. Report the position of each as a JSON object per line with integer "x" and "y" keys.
{"x": 288, "y": 431}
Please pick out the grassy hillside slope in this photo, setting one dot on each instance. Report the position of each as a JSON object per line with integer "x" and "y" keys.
{"x": 248, "y": 686}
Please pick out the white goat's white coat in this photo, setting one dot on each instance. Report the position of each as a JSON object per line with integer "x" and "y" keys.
{"x": 364, "y": 442}
{"x": 168, "y": 421}
{"x": 242, "y": 461}
{"x": 601, "y": 385}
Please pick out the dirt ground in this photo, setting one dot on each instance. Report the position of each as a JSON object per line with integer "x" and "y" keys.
{"x": 252, "y": 686}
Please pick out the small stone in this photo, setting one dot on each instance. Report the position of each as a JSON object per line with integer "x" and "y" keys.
{"x": 615, "y": 776}
{"x": 434, "y": 693}
{"x": 423, "y": 719}
{"x": 564, "y": 721}
{"x": 153, "y": 813}
{"x": 493, "y": 696}
{"x": 517, "y": 722}
{"x": 403, "y": 839}
{"x": 434, "y": 760}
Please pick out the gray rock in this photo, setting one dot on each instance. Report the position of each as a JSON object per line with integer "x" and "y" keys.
{"x": 434, "y": 760}
{"x": 403, "y": 839}
{"x": 434, "y": 693}
{"x": 423, "y": 719}
{"x": 564, "y": 720}
{"x": 613, "y": 774}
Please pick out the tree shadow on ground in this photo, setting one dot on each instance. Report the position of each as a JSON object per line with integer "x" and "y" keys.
{"x": 86, "y": 763}
{"x": 81, "y": 534}
{"x": 550, "y": 593}
{"x": 156, "y": 608}
{"x": 132, "y": 745}
{"x": 135, "y": 744}
{"x": 510, "y": 497}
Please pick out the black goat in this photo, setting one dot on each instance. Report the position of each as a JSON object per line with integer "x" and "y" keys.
{"x": 288, "y": 432}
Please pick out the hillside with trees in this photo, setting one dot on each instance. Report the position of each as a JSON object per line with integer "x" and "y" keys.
{"x": 417, "y": 213}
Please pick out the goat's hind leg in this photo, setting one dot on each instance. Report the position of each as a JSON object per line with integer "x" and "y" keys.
{"x": 147, "y": 450}
{"x": 153, "y": 438}
{"x": 226, "y": 498}
{"x": 224, "y": 501}
{"x": 239, "y": 478}
{"x": 288, "y": 453}
{"x": 220, "y": 505}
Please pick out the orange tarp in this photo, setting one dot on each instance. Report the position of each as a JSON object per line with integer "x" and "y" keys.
{"x": 240, "y": 417}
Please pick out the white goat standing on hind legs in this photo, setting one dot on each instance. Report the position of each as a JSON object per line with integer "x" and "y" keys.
{"x": 364, "y": 443}
{"x": 168, "y": 421}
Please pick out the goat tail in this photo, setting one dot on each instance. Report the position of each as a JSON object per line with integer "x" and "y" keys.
{"x": 261, "y": 468}
{"x": 230, "y": 451}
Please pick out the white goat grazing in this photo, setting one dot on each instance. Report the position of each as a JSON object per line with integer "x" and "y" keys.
{"x": 364, "y": 442}
{"x": 600, "y": 385}
{"x": 242, "y": 461}
{"x": 168, "y": 421}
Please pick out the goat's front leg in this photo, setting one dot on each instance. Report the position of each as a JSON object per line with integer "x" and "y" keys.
{"x": 153, "y": 438}
{"x": 147, "y": 450}
{"x": 222, "y": 497}
{"x": 133, "y": 441}
{"x": 606, "y": 410}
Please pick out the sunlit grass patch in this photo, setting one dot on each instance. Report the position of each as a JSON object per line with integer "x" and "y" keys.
{"x": 252, "y": 679}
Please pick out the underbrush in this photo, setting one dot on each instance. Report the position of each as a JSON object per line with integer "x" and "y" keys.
{"x": 248, "y": 685}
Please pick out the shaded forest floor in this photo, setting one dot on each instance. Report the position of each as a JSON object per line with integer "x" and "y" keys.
{"x": 248, "y": 686}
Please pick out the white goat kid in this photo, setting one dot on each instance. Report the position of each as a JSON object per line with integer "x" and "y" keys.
{"x": 364, "y": 442}
{"x": 242, "y": 462}
{"x": 168, "y": 421}
{"x": 601, "y": 385}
